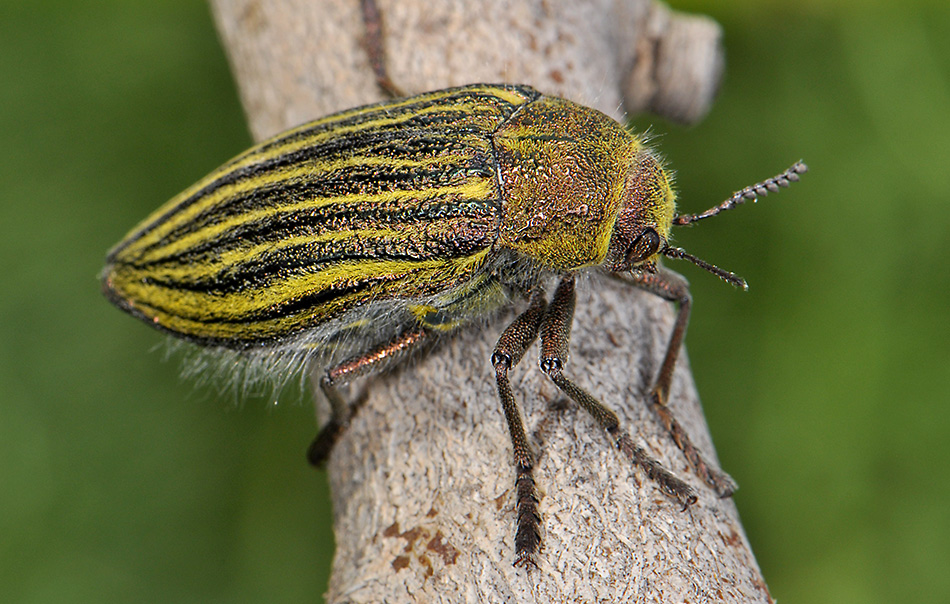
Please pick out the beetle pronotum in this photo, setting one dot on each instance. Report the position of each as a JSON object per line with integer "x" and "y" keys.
{"x": 354, "y": 238}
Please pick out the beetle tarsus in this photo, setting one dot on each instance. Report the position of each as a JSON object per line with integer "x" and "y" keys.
{"x": 672, "y": 486}
{"x": 716, "y": 479}
{"x": 528, "y": 535}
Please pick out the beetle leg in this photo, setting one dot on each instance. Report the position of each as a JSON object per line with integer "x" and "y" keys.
{"x": 555, "y": 337}
{"x": 509, "y": 350}
{"x": 341, "y": 412}
{"x": 671, "y": 286}
{"x": 374, "y": 43}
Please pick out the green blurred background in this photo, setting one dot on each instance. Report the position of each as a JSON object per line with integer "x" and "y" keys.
{"x": 825, "y": 385}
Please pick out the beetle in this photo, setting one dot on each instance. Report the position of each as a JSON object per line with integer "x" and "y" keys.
{"x": 349, "y": 241}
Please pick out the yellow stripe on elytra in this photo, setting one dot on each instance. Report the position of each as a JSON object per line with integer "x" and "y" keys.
{"x": 218, "y": 316}
{"x": 464, "y": 103}
{"x": 197, "y": 304}
{"x": 475, "y": 188}
{"x": 258, "y": 155}
{"x": 195, "y": 272}
{"x": 264, "y": 180}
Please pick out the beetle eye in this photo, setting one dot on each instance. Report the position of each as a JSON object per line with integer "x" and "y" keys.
{"x": 645, "y": 246}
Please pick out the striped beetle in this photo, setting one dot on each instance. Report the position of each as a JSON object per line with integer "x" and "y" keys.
{"x": 349, "y": 240}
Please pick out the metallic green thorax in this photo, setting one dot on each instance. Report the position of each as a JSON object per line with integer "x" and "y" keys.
{"x": 567, "y": 172}
{"x": 420, "y": 211}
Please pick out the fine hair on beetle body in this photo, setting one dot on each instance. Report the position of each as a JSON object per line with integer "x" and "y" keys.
{"x": 350, "y": 242}
{"x": 267, "y": 370}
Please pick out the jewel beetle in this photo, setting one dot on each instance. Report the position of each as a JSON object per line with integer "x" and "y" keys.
{"x": 348, "y": 241}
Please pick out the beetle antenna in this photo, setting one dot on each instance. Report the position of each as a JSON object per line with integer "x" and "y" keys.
{"x": 759, "y": 189}
{"x": 730, "y": 278}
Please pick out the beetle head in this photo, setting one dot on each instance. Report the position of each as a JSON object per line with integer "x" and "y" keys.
{"x": 641, "y": 233}
{"x": 646, "y": 215}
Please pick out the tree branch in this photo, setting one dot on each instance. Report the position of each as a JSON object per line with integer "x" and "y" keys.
{"x": 422, "y": 479}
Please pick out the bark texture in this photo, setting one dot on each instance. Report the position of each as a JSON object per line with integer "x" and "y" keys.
{"x": 422, "y": 479}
